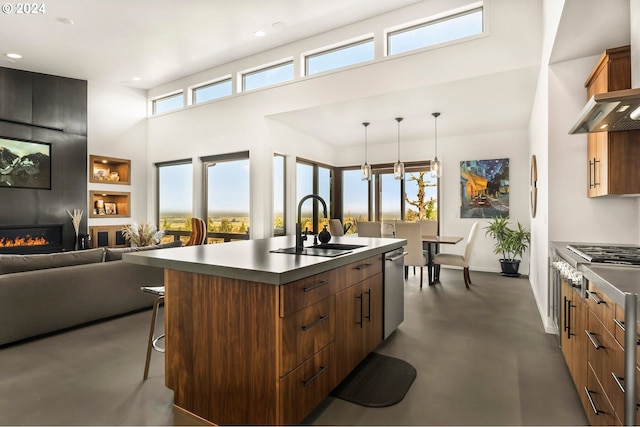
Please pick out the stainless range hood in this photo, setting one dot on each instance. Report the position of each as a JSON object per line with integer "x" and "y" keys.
{"x": 610, "y": 112}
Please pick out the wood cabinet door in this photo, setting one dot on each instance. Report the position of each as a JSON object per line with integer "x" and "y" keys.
{"x": 372, "y": 291}
{"x": 579, "y": 364}
{"x": 349, "y": 330}
{"x": 565, "y": 313}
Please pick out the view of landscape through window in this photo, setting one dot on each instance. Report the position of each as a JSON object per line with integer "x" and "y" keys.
{"x": 228, "y": 196}
{"x": 175, "y": 199}
{"x": 420, "y": 198}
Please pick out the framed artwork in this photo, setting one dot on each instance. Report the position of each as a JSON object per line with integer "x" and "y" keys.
{"x": 25, "y": 164}
{"x": 484, "y": 188}
{"x": 110, "y": 208}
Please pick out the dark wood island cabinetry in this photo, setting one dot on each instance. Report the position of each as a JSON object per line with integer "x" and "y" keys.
{"x": 266, "y": 342}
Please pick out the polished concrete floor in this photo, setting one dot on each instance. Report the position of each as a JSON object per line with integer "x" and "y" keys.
{"x": 481, "y": 355}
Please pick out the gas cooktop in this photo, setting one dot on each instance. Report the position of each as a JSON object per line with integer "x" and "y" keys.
{"x": 608, "y": 254}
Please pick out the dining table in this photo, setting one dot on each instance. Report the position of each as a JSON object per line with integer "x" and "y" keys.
{"x": 428, "y": 243}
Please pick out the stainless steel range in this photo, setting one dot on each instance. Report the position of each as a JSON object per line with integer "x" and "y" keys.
{"x": 608, "y": 254}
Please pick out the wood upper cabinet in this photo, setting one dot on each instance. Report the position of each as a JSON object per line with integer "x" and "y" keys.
{"x": 612, "y": 157}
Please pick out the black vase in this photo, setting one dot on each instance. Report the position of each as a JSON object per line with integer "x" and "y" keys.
{"x": 324, "y": 236}
{"x": 510, "y": 267}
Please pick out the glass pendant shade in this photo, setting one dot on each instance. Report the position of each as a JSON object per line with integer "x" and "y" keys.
{"x": 366, "y": 167}
{"x": 366, "y": 172}
{"x": 436, "y": 168}
{"x": 436, "y": 165}
{"x": 398, "y": 167}
{"x": 398, "y": 170}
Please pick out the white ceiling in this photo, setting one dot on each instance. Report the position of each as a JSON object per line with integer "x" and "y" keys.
{"x": 164, "y": 40}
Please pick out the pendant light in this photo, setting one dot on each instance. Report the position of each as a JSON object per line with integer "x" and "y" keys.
{"x": 366, "y": 167}
{"x": 398, "y": 167}
{"x": 436, "y": 165}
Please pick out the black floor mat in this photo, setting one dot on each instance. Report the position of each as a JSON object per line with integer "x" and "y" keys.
{"x": 377, "y": 381}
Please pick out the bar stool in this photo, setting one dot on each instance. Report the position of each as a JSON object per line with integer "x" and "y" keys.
{"x": 153, "y": 341}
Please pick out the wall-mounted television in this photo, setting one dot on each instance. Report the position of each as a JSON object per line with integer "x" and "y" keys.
{"x": 25, "y": 164}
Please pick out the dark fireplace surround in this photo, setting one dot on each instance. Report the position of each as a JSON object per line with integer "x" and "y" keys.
{"x": 50, "y": 109}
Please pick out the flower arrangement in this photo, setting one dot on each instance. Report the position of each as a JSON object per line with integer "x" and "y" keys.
{"x": 142, "y": 234}
{"x": 76, "y": 217}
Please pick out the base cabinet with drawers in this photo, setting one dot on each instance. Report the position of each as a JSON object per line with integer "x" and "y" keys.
{"x": 241, "y": 352}
{"x": 599, "y": 362}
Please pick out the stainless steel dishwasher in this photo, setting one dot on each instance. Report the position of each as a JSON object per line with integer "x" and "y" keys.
{"x": 393, "y": 310}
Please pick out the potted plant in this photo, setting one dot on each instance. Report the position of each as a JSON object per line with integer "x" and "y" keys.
{"x": 510, "y": 243}
{"x": 142, "y": 234}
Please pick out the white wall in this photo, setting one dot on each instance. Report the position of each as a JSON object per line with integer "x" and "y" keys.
{"x": 117, "y": 127}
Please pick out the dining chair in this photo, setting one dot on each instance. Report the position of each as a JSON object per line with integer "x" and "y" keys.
{"x": 335, "y": 227}
{"x": 369, "y": 229}
{"x": 198, "y": 232}
{"x": 411, "y": 232}
{"x": 388, "y": 228}
{"x": 458, "y": 260}
{"x": 429, "y": 227}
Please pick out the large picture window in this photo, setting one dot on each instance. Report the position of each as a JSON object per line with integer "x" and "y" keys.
{"x": 279, "y": 200}
{"x": 175, "y": 198}
{"x": 227, "y": 196}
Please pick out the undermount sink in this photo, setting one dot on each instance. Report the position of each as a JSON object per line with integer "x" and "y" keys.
{"x": 326, "y": 250}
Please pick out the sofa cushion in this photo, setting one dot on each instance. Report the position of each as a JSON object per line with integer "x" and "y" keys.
{"x": 115, "y": 254}
{"x": 18, "y": 263}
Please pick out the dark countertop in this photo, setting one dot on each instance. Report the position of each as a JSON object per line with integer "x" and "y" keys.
{"x": 251, "y": 259}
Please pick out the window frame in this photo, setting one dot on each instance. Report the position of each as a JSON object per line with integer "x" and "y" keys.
{"x": 154, "y": 102}
{"x": 336, "y": 48}
{"x": 315, "y": 185}
{"x": 195, "y": 89}
{"x": 433, "y": 21}
{"x": 265, "y": 68}
{"x": 284, "y": 196}
{"x": 213, "y": 159}
{"x": 175, "y": 233}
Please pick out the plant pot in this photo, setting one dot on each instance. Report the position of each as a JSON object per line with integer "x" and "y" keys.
{"x": 510, "y": 267}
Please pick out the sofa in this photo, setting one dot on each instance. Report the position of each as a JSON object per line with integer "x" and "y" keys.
{"x": 45, "y": 293}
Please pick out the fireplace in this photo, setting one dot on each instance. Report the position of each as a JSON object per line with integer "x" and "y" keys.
{"x": 30, "y": 239}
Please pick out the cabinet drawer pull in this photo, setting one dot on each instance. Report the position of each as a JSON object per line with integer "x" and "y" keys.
{"x": 595, "y": 182}
{"x": 595, "y": 297}
{"x": 363, "y": 266}
{"x": 618, "y": 380}
{"x": 593, "y": 405}
{"x": 317, "y": 285}
{"x": 312, "y": 324}
{"x": 620, "y": 325}
{"x": 593, "y": 340}
{"x": 315, "y": 376}
{"x": 360, "y": 322}
{"x": 368, "y": 316}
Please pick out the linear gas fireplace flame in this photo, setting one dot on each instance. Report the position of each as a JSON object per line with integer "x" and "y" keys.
{"x": 30, "y": 239}
{"x": 23, "y": 241}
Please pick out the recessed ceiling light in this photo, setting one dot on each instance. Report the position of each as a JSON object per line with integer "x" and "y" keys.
{"x": 65, "y": 21}
{"x": 136, "y": 79}
{"x": 259, "y": 33}
{"x": 13, "y": 55}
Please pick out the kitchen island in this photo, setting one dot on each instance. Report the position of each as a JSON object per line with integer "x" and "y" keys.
{"x": 256, "y": 337}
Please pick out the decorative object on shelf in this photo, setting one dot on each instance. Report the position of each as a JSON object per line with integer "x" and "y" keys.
{"x": 510, "y": 243}
{"x": 324, "y": 236}
{"x": 142, "y": 234}
{"x": 110, "y": 208}
{"x": 398, "y": 167}
{"x": 436, "y": 165}
{"x": 99, "y": 207}
{"x": 76, "y": 217}
{"x": 109, "y": 170}
{"x": 485, "y": 188}
{"x": 366, "y": 167}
